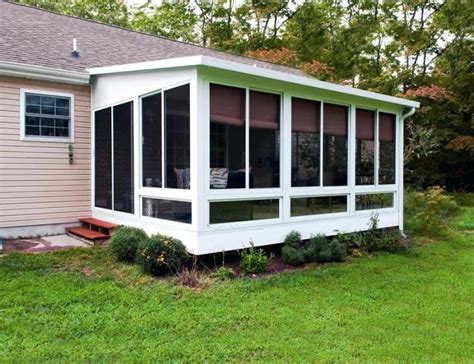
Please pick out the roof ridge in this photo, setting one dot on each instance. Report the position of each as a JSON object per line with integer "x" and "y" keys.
{"x": 15, "y": 2}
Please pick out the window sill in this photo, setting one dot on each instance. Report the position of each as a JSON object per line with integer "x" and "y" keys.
{"x": 46, "y": 139}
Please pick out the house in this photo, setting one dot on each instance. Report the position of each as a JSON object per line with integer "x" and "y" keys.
{"x": 210, "y": 147}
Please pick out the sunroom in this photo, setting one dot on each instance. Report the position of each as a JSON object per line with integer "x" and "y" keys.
{"x": 218, "y": 153}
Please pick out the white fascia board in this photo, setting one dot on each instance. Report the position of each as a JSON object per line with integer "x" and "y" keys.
{"x": 254, "y": 70}
{"x": 147, "y": 66}
{"x": 13, "y": 69}
{"x": 305, "y": 81}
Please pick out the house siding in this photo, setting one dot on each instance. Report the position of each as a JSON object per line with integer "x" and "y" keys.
{"x": 38, "y": 185}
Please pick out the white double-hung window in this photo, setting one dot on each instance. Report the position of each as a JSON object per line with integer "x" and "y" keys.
{"x": 46, "y": 116}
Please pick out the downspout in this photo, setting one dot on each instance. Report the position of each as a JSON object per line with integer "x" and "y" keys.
{"x": 401, "y": 182}
{"x": 408, "y": 114}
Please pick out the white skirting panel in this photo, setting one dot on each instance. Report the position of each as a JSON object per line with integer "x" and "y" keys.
{"x": 238, "y": 237}
{"x": 266, "y": 234}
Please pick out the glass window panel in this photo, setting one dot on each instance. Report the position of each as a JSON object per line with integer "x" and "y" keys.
{"x": 32, "y": 121}
{"x": 103, "y": 158}
{"x": 62, "y": 102}
{"x": 48, "y": 110}
{"x": 305, "y": 143}
{"x": 61, "y": 123}
{"x": 301, "y": 206}
{"x": 365, "y": 147}
{"x": 46, "y": 131}
{"x": 234, "y": 211}
{"x": 179, "y": 211}
{"x": 264, "y": 123}
{"x": 47, "y": 122}
{"x": 335, "y": 145}
{"x": 123, "y": 157}
{"x": 227, "y": 137}
{"x": 63, "y": 111}
{"x": 387, "y": 148}
{"x": 374, "y": 201}
{"x": 33, "y": 109}
{"x": 62, "y": 132}
{"x": 32, "y": 130}
{"x": 151, "y": 139}
{"x": 47, "y": 101}
{"x": 177, "y": 137}
{"x": 32, "y": 99}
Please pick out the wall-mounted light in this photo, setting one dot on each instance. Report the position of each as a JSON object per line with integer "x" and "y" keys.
{"x": 70, "y": 149}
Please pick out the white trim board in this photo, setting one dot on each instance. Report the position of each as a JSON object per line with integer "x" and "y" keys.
{"x": 250, "y": 70}
{"x": 13, "y": 69}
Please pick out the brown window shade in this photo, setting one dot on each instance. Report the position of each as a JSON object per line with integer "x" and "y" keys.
{"x": 386, "y": 127}
{"x": 305, "y": 116}
{"x": 365, "y": 124}
{"x": 335, "y": 120}
{"x": 264, "y": 110}
{"x": 227, "y": 105}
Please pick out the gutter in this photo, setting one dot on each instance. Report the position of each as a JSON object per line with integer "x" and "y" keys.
{"x": 408, "y": 114}
{"x": 13, "y": 69}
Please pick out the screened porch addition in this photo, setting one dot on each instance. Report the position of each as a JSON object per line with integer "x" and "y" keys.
{"x": 217, "y": 163}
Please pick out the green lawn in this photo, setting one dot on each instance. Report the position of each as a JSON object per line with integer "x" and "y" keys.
{"x": 79, "y": 305}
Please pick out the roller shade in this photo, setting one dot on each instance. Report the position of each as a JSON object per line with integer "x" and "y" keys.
{"x": 365, "y": 124}
{"x": 305, "y": 116}
{"x": 264, "y": 110}
{"x": 227, "y": 105}
{"x": 335, "y": 120}
{"x": 386, "y": 127}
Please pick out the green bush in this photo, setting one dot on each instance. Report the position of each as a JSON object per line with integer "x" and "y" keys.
{"x": 293, "y": 251}
{"x": 317, "y": 249}
{"x": 124, "y": 242}
{"x": 253, "y": 260}
{"x": 160, "y": 255}
{"x": 338, "y": 250}
{"x": 428, "y": 212}
{"x": 223, "y": 274}
{"x": 293, "y": 256}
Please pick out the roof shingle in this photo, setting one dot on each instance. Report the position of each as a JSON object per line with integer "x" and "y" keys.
{"x": 37, "y": 37}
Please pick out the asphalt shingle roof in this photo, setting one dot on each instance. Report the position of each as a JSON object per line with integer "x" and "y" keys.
{"x": 33, "y": 36}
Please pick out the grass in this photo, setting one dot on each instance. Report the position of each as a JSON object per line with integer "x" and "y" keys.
{"x": 80, "y": 305}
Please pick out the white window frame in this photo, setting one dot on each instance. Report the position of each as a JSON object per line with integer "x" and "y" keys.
{"x": 38, "y": 138}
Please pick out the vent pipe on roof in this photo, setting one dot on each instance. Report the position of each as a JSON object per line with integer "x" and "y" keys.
{"x": 74, "y": 52}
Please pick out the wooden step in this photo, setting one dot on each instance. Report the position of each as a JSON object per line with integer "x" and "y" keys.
{"x": 87, "y": 234}
{"x": 98, "y": 223}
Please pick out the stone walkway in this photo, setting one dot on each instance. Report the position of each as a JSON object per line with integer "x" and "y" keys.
{"x": 43, "y": 244}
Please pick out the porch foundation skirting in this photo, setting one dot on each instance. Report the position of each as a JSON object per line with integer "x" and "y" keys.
{"x": 266, "y": 233}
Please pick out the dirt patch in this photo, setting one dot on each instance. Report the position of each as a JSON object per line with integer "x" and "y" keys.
{"x": 10, "y": 246}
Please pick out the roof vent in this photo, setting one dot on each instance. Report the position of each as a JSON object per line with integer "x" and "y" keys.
{"x": 74, "y": 52}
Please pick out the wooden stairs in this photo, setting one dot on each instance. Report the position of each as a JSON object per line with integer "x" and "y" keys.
{"x": 92, "y": 230}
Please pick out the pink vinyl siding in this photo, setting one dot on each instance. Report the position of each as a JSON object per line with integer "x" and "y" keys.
{"x": 38, "y": 185}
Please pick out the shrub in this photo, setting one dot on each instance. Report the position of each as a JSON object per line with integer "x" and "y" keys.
{"x": 124, "y": 242}
{"x": 293, "y": 251}
{"x": 160, "y": 255}
{"x": 338, "y": 250}
{"x": 318, "y": 249}
{"x": 293, "y": 239}
{"x": 223, "y": 274}
{"x": 253, "y": 260}
{"x": 293, "y": 256}
{"x": 427, "y": 212}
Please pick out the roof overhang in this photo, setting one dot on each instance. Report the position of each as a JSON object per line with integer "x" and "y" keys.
{"x": 254, "y": 70}
{"x": 43, "y": 73}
